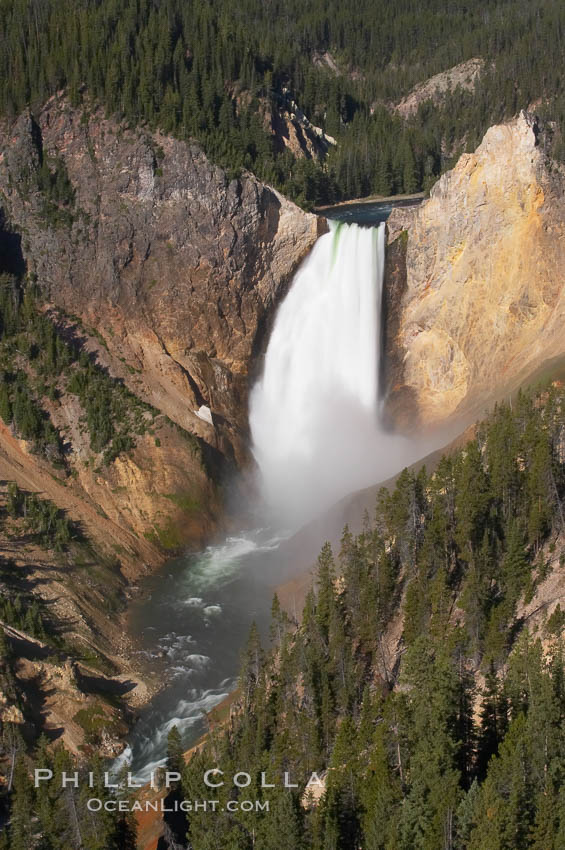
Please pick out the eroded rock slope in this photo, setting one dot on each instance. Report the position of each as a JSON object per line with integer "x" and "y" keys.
{"x": 476, "y": 280}
{"x": 176, "y": 266}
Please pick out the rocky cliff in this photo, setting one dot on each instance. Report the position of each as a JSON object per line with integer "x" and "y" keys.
{"x": 175, "y": 266}
{"x": 475, "y": 280}
{"x": 168, "y": 273}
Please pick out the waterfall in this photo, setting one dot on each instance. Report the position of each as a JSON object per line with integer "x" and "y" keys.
{"x": 314, "y": 412}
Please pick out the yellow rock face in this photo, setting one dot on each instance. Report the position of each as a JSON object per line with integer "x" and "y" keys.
{"x": 484, "y": 303}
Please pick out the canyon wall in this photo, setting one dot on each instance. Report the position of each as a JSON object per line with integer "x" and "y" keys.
{"x": 475, "y": 278}
{"x": 161, "y": 273}
{"x": 175, "y": 265}
{"x": 167, "y": 272}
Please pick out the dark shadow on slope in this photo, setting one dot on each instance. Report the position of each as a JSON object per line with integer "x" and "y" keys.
{"x": 11, "y": 255}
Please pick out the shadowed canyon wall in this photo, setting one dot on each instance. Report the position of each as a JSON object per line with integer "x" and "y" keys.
{"x": 160, "y": 269}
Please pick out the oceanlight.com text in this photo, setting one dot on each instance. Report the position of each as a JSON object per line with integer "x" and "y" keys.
{"x": 95, "y": 804}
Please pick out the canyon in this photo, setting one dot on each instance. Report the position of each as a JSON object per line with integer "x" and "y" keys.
{"x": 168, "y": 273}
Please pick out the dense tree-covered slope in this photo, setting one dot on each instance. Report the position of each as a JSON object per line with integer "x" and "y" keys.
{"x": 424, "y": 684}
{"x": 209, "y": 70}
{"x": 415, "y": 683}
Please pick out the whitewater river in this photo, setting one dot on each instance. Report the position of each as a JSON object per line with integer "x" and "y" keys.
{"x": 191, "y": 625}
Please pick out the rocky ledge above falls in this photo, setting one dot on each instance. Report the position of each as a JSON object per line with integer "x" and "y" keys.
{"x": 475, "y": 277}
{"x": 175, "y": 266}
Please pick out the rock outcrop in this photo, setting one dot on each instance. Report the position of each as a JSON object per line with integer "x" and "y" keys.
{"x": 175, "y": 266}
{"x": 462, "y": 76}
{"x": 293, "y": 131}
{"x": 476, "y": 280}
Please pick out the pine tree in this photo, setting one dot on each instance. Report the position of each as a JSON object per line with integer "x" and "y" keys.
{"x": 175, "y": 751}
{"x": 381, "y": 795}
{"x": 493, "y": 722}
{"x": 325, "y": 590}
{"x": 21, "y": 827}
{"x": 285, "y": 821}
{"x": 5, "y": 404}
{"x": 473, "y": 501}
{"x": 252, "y": 665}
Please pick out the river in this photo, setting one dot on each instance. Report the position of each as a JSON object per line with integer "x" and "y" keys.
{"x": 190, "y": 624}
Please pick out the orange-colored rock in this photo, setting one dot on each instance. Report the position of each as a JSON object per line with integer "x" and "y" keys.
{"x": 482, "y": 304}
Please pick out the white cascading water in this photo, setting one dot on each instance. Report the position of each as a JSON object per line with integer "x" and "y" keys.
{"x": 314, "y": 413}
